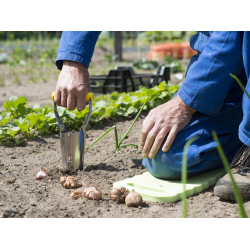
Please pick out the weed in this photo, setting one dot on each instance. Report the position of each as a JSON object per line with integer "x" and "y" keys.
{"x": 5, "y": 166}
{"x": 184, "y": 175}
{"x": 32, "y": 79}
{"x": 2, "y": 79}
{"x": 227, "y": 167}
{"x": 14, "y": 72}
{"x": 118, "y": 141}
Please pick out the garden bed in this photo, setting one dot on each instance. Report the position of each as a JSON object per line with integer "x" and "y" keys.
{"x": 21, "y": 195}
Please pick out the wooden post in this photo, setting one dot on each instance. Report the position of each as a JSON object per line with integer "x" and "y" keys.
{"x": 118, "y": 45}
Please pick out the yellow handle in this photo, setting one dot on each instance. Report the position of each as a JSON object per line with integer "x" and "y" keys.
{"x": 52, "y": 96}
{"x": 89, "y": 95}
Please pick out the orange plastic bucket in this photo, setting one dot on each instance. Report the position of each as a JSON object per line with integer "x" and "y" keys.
{"x": 176, "y": 51}
{"x": 158, "y": 52}
{"x": 187, "y": 51}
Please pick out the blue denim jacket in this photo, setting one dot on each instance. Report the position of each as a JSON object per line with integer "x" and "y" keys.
{"x": 77, "y": 46}
{"x": 207, "y": 79}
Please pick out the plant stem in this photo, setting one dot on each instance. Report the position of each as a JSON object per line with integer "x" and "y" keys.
{"x": 101, "y": 137}
{"x": 241, "y": 85}
{"x": 184, "y": 175}
{"x": 120, "y": 135}
{"x": 41, "y": 75}
{"x": 16, "y": 76}
{"x": 129, "y": 144}
{"x": 226, "y": 164}
{"x": 116, "y": 141}
{"x": 3, "y": 167}
{"x": 133, "y": 122}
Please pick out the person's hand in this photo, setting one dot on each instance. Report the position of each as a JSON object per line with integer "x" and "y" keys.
{"x": 168, "y": 118}
{"x": 72, "y": 86}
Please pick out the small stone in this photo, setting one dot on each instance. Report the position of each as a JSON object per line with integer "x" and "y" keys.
{"x": 11, "y": 180}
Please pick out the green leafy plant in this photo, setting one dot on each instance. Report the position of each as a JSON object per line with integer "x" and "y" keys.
{"x": 12, "y": 67}
{"x": 2, "y": 79}
{"x": 118, "y": 141}
{"x": 148, "y": 37}
{"x": 184, "y": 175}
{"x": 110, "y": 58}
{"x": 145, "y": 64}
{"x": 19, "y": 122}
{"x": 226, "y": 164}
{"x": 175, "y": 65}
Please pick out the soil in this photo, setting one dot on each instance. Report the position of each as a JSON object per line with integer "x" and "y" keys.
{"x": 21, "y": 195}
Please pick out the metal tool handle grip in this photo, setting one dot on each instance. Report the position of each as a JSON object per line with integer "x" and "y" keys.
{"x": 89, "y": 96}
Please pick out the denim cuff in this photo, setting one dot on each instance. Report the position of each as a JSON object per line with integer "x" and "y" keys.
{"x": 71, "y": 57}
{"x": 242, "y": 136}
{"x": 196, "y": 105}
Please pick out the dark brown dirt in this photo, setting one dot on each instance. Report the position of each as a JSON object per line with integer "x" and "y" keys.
{"x": 23, "y": 196}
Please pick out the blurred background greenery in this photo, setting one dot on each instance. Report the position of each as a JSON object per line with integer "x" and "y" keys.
{"x": 29, "y": 56}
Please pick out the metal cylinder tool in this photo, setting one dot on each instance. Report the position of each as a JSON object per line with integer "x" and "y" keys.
{"x": 73, "y": 143}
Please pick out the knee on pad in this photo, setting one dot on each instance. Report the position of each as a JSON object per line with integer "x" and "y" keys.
{"x": 164, "y": 166}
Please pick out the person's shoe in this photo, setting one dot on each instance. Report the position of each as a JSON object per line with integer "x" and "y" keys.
{"x": 241, "y": 174}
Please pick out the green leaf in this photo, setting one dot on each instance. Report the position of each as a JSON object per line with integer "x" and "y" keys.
{"x": 60, "y": 111}
{"x": 34, "y": 118}
{"x": 11, "y": 124}
{"x": 50, "y": 115}
{"x": 24, "y": 127}
{"x": 70, "y": 115}
{"x": 7, "y": 106}
{"x": 20, "y": 120}
{"x": 36, "y": 106}
{"x": 21, "y": 110}
{"x": 13, "y": 98}
{"x": 13, "y": 131}
{"x": 101, "y": 104}
{"x": 131, "y": 110}
{"x": 114, "y": 96}
{"x": 20, "y": 101}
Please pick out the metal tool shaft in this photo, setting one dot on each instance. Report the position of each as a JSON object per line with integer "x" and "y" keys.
{"x": 72, "y": 143}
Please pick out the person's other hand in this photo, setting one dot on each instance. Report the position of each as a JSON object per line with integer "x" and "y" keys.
{"x": 168, "y": 118}
{"x": 72, "y": 86}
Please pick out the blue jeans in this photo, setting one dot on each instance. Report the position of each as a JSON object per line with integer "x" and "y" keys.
{"x": 202, "y": 154}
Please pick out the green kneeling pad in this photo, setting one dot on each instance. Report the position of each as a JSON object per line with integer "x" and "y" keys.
{"x": 154, "y": 189}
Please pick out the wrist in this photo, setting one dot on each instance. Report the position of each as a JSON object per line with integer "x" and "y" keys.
{"x": 75, "y": 65}
{"x": 188, "y": 108}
